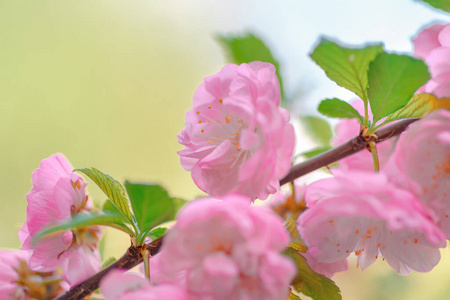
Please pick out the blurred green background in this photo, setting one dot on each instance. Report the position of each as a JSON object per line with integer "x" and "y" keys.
{"x": 107, "y": 83}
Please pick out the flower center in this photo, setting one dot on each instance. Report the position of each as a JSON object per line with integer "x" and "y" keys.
{"x": 215, "y": 124}
{"x": 35, "y": 285}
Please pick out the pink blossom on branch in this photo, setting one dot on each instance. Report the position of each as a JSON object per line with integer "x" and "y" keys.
{"x": 433, "y": 45}
{"x": 57, "y": 195}
{"x": 228, "y": 250}
{"x": 421, "y": 163}
{"x": 237, "y": 138}
{"x": 365, "y": 214}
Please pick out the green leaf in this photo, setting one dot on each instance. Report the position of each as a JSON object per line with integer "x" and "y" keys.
{"x": 76, "y": 222}
{"x": 247, "y": 48}
{"x": 311, "y": 284}
{"x": 393, "y": 80}
{"x": 296, "y": 240}
{"x": 108, "y": 262}
{"x": 102, "y": 245}
{"x": 112, "y": 188}
{"x": 318, "y": 128}
{"x": 111, "y": 209}
{"x": 157, "y": 233}
{"x": 336, "y": 108}
{"x": 417, "y": 107}
{"x": 439, "y": 4}
{"x": 346, "y": 66}
{"x": 151, "y": 206}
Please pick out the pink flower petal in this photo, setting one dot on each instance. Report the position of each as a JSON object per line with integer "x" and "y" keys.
{"x": 427, "y": 40}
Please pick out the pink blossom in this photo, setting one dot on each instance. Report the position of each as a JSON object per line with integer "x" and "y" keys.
{"x": 347, "y": 129}
{"x": 433, "y": 45}
{"x": 237, "y": 138}
{"x": 421, "y": 163}
{"x": 58, "y": 194}
{"x": 364, "y": 213}
{"x": 19, "y": 282}
{"x": 228, "y": 250}
{"x": 118, "y": 285}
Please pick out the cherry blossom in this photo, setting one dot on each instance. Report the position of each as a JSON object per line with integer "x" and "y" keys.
{"x": 237, "y": 138}
{"x": 421, "y": 163}
{"x": 228, "y": 250}
{"x": 118, "y": 285}
{"x": 433, "y": 45}
{"x": 364, "y": 213}
{"x": 57, "y": 195}
{"x": 17, "y": 281}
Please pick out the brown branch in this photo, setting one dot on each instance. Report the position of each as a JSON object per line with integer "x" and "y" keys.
{"x": 129, "y": 260}
{"x": 133, "y": 256}
{"x": 351, "y": 147}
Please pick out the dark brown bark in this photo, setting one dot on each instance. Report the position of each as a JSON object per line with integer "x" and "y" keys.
{"x": 351, "y": 147}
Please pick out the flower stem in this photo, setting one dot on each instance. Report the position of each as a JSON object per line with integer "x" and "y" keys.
{"x": 146, "y": 258}
{"x": 351, "y": 147}
{"x": 376, "y": 162}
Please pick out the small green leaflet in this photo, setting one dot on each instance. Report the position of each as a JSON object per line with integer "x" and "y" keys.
{"x": 311, "y": 284}
{"x": 336, "y": 108}
{"x": 439, "y": 4}
{"x": 112, "y": 188}
{"x": 121, "y": 223}
{"x": 151, "y": 205}
{"x": 417, "y": 107}
{"x": 157, "y": 233}
{"x": 318, "y": 128}
{"x": 76, "y": 222}
{"x": 110, "y": 208}
{"x": 346, "y": 66}
{"x": 393, "y": 80}
{"x": 247, "y": 48}
{"x": 296, "y": 241}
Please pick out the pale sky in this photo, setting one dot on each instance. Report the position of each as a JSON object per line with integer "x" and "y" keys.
{"x": 292, "y": 28}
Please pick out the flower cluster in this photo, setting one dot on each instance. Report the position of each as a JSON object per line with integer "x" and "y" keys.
{"x": 237, "y": 138}
{"x": 238, "y": 146}
{"x": 400, "y": 214}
